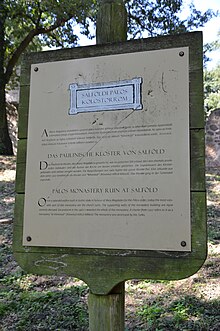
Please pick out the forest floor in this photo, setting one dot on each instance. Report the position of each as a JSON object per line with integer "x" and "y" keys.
{"x": 29, "y": 302}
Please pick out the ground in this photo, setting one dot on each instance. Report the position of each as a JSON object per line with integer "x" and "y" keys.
{"x": 31, "y": 302}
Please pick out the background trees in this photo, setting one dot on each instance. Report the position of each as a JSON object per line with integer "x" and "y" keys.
{"x": 212, "y": 82}
{"x": 212, "y": 89}
{"x": 29, "y": 25}
{"x": 159, "y": 17}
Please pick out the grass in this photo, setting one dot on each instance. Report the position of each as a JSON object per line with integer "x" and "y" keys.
{"x": 32, "y": 302}
{"x": 37, "y": 310}
{"x": 185, "y": 313}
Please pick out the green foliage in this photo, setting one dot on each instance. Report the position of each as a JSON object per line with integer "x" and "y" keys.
{"x": 212, "y": 80}
{"x": 210, "y": 47}
{"x": 212, "y": 89}
{"x": 185, "y": 313}
{"x": 43, "y": 310}
{"x": 213, "y": 225}
{"x": 162, "y": 17}
{"x": 151, "y": 313}
{"x": 30, "y": 25}
{"x": 44, "y": 17}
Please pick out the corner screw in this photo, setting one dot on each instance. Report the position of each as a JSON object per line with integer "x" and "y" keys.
{"x": 36, "y": 69}
{"x": 29, "y": 238}
{"x": 183, "y": 243}
{"x": 181, "y": 53}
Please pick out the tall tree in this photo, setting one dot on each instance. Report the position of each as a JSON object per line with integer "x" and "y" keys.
{"x": 27, "y": 25}
{"x": 5, "y": 141}
{"x": 30, "y": 25}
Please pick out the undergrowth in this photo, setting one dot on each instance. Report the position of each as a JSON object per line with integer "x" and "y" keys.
{"x": 31, "y": 303}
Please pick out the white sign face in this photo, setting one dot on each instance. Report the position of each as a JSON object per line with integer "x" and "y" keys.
{"x": 108, "y": 172}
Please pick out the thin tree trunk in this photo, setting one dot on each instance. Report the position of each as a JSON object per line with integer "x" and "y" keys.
{"x": 5, "y": 140}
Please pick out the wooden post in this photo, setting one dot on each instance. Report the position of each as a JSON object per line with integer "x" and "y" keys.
{"x": 106, "y": 312}
{"x": 111, "y": 25}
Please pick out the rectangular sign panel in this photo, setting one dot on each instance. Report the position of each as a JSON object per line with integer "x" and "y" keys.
{"x": 108, "y": 153}
{"x": 105, "y": 96}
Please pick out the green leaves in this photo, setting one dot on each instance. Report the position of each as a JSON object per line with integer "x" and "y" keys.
{"x": 31, "y": 25}
{"x": 159, "y": 17}
{"x": 212, "y": 89}
{"x": 39, "y": 308}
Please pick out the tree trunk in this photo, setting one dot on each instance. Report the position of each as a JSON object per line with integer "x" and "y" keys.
{"x": 5, "y": 140}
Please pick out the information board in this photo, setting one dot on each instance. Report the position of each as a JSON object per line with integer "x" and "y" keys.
{"x": 108, "y": 159}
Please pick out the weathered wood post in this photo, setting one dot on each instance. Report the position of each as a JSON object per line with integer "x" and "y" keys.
{"x": 106, "y": 312}
{"x": 111, "y": 25}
